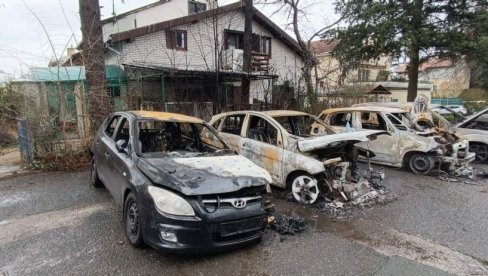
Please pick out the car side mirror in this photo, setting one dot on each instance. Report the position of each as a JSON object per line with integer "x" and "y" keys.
{"x": 119, "y": 146}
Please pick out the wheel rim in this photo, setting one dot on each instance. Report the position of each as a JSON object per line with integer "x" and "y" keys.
{"x": 133, "y": 221}
{"x": 422, "y": 163}
{"x": 305, "y": 189}
{"x": 481, "y": 152}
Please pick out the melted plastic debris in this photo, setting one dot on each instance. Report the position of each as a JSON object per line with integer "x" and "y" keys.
{"x": 287, "y": 225}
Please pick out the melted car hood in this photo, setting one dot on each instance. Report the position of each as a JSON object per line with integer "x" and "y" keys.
{"x": 204, "y": 175}
{"x": 309, "y": 144}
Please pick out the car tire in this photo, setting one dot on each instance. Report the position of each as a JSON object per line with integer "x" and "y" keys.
{"x": 132, "y": 221}
{"x": 305, "y": 188}
{"x": 481, "y": 151}
{"x": 95, "y": 179}
{"x": 421, "y": 163}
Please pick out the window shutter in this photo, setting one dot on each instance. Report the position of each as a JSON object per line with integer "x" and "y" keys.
{"x": 255, "y": 43}
{"x": 170, "y": 39}
{"x": 269, "y": 45}
{"x": 186, "y": 40}
{"x": 226, "y": 40}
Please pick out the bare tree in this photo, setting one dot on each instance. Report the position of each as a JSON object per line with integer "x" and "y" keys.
{"x": 294, "y": 11}
{"x": 93, "y": 59}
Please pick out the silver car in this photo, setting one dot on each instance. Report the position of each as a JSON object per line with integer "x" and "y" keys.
{"x": 298, "y": 150}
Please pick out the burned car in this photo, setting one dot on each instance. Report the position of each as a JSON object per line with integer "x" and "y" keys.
{"x": 178, "y": 193}
{"x": 404, "y": 147}
{"x": 426, "y": 121}
{"x": 300, "y": 152}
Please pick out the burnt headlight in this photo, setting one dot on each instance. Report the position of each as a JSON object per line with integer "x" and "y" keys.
{"x": 170, "y": 203}
{"x": 337, "y": 172}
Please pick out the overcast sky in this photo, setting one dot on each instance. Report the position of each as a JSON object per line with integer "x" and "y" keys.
{"x": 24, "y": 43}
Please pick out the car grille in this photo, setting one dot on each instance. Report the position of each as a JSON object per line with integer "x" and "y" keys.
{"x": 236, "y": 230}
{"x": 238, "y": 203}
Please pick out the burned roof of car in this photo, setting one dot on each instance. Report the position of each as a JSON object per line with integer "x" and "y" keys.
{"x": 271, "y": 113}
{"x": 366, "y": 108}
{"x": 166, "y": 116}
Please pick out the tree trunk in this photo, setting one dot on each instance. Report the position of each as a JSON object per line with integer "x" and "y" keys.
{"x": 413, "y": 73}
{"x": 92, "y": 52}
{"x": 247, "y": 48}
{"x": 413, "y": 69}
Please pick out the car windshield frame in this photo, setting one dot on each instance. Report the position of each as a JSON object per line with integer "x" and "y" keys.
{"x": 225, "y": 150}
{"x": 315, "y": 120}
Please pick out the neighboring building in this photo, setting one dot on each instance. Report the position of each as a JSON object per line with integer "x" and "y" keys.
{"x": 197, "y": 58}
{"x": 449, "y": 79}
{"x": 382, "y": 91}
{"x": 329, "y": 74}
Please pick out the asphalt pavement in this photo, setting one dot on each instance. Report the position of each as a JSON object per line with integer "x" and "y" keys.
{"x": 56, "y": 224}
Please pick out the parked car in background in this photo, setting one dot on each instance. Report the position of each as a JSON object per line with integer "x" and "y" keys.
{"x": 300, "y": 152}
{"x": 403, "y": 147}
{"x": 449, "y": 109}
{"x": 178, "y": 192}
{"x": 427, "y": 122}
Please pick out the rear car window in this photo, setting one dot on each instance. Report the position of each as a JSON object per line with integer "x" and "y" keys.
{"x": 233, "y": 124}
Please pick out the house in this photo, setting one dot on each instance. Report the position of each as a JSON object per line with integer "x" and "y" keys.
{"x": 449, "y": 78}
{"x": 198, "y": 58}
{"x": 329, "y": 74}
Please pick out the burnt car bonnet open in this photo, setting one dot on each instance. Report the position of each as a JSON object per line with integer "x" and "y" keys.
{"x": 179, "y": 192}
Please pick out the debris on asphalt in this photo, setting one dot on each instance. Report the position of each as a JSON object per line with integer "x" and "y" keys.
{"x": 287, "y": 225}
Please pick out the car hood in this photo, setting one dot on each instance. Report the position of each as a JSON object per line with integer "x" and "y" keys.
{"x": 204, "y": 175}
{"x": 313, "y": 143}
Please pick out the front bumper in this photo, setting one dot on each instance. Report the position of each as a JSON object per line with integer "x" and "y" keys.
{"x": 225, "y": 229}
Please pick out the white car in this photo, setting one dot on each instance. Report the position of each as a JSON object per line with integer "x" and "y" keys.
{"x": 299, "y": 151}
{"x": 449, "y": 109}
{"x": 403, "y": 147}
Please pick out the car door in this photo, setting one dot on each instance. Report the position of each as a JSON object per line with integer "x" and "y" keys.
{"x": 102, "y": 152}
{"x": 120, "y": 162}
{"x": 385, "y": 147}
{"x": 263, "y": 145}
{"x": 230, "y": 129}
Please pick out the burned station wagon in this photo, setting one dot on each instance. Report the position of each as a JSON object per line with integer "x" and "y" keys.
{"x": 178, "y": 192}
{"x": 300, "y": 152}
{"x": 403, "y": 147}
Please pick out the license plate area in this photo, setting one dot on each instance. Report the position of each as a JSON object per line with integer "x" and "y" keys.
{"x": 241, "y": 226}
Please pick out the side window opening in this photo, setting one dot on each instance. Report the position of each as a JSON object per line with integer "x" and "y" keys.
{"x": 109, "y": 130}
{"x": 372, "y": 120}
{"x": 233, "y": 124}
{"x": 261, "y": 130}
{"x": 340, "y": 119}
{"x": 123, "y": 132}
{"x": 216, "y": 124}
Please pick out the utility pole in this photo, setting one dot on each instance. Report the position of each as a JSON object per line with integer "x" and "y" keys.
{"x": 92, "y": 53}
{"x": 247, "y": 49}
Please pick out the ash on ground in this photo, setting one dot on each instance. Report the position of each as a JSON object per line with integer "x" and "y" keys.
{"x": 287, "y": 225}
{"x": 340, "y": 209}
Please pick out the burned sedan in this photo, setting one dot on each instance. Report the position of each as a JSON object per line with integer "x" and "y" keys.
{"x": 404, "y": 147}
{"x": 178, "y": 192}
{"x": 300, "y": 152}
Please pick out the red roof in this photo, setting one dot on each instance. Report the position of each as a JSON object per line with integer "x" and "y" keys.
{"x": 429, "y": 64}
{"x": 323, "y": 46}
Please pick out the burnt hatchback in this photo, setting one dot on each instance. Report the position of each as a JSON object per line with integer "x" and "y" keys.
{"x": 178, "y": 191}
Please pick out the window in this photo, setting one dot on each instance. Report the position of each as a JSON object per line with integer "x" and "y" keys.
{"x": 233, "y": 40}
{"x": 123, "y": 132}
{"x": 217, "y": 123}
{"x": 233, "y": 124}
{"x": 112, "y": 125}
{"x": 176, "y": 39}
{"x": 261, "y": 130}
{"x": 196, "y": 7}
{"x": 372, "y": 120}
{"x": 261, "y": 44}
{"x": 363, "y": 75}
{"x": 340, "y": 119}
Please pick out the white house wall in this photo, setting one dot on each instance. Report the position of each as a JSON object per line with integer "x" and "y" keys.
{"x": 151, "y": 50}
{"x": 158, "y": 13}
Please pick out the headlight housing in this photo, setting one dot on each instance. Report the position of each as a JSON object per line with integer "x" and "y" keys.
{"x": 170, "y": 203}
